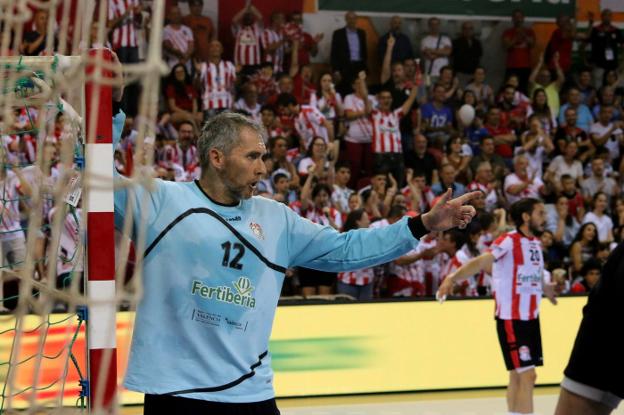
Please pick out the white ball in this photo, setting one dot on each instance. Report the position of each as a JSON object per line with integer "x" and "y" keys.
{"x": 466, "y": 114}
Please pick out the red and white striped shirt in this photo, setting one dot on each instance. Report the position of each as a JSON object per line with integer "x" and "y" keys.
{"x": 10, "y": 227}
{"x": 180, "y": 39}
{"x": 68, "y": 258}
{"x": 247, "y": 44}
{"x": 254, "y": 111}
{"x": 517, "y": 276}
{"x": 309, "y": 124}
{"x": 426, "y": 199}
{"x": 188, "y": 159}
{"x": 422, "y": 276}
{"x": 270, "y": 36}
{"x": 217, "y": 85}
{"x": 360, "y": 277}
{"x": 125, "y": 34}
{"x": 386, "y": 133}
{"x": 317, "y": 215}
{"x": 468, "y": 287}
{"x": 491, "y": 199}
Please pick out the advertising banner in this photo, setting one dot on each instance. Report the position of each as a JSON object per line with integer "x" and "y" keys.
{"x": 326, "y": 349}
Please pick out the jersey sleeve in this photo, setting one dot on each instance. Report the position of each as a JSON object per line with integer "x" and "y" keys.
{"x": 501, "y": 247}
{"x": 325, "y": 249}
{"x": 133, "y": 199}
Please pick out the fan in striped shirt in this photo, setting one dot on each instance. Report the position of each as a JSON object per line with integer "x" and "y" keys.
{"x": 387, "y": 146}
{"x": 216, "y": 79}
{"x": 178, "y": 42}
{"x": 246, "y": 27}
{"x": 273, "y": 42}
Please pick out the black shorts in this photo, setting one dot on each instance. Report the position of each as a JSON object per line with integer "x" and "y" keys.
{"x": 597, "y": 359}
{"x": 521, "y": 343}
{"x": 166, "y": 404}
{"x": 313, "y": 278}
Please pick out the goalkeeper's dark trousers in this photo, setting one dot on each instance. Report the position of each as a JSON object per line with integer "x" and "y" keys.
{"x": 166, "y": 404}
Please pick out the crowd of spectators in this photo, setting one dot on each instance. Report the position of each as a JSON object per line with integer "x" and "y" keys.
{"x": 350, "y": 152}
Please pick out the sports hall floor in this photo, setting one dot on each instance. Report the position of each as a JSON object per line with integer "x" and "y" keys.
{"x": 480, "y": 402}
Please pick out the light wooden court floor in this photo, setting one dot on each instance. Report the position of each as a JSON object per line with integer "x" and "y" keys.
{"x": 480, "y": 402}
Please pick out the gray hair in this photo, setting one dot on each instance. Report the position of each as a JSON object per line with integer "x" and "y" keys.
{"x": 222, "y": 132}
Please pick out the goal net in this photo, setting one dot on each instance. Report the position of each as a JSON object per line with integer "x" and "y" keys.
{"x": 61, "y": 288}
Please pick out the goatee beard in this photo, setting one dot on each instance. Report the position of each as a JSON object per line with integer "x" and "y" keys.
{"x": 535, "y": 231}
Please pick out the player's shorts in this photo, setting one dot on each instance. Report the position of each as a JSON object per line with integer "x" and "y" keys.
{"x": 521, "y": 343}
{"x": 313, "y": 278}
{"x": 165, "y": 404}
{"x": 597, "y": 361}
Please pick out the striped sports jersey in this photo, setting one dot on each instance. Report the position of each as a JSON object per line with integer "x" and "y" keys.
{"x": 10, "y": 227}
{"x": 491, "y": 198}
{"x": 359, "y": 277}
{"x": 217, "y": 81}
{"x": 180, "y": 38}
{"x": 468, "y": 287}
{"x": 270, "y": 36}
{"x": 247, "y": 44}
{"x": 359, "y": 130}
{"x": 125, "y": 34}
{"x": 188, "y": 159}
{"x": 309, "y": 124}
{"x": 68, "y": 258}
{"x": 517, "y": 276}
{"x": 213, "y": 276}
{"x": 425, "y": 200}
{"x": 253, "y": 110}
{"x": 386, "y": 133}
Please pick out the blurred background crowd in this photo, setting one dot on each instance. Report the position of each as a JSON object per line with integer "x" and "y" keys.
{"x": 353, "y": 146}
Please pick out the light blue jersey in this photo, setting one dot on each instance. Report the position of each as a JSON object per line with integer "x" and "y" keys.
{"x": 212, "y": 276}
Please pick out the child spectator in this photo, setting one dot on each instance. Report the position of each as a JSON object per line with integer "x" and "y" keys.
{"x": 590, "y": 275}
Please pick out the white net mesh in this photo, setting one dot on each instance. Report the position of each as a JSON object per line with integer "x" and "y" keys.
{"x": 43, "y": 108}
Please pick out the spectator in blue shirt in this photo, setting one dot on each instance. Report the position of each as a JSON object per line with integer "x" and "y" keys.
{"x": 448, "y": 173}
{"x": 584, "y": 116}
{"x": 437, "y": 118}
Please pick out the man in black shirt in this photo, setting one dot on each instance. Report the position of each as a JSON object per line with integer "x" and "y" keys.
{"x": 421, "y": 161}
{"x": 605, "y": 40}
{"x": 402, "y": 48}
{"x": 467, "y": 52}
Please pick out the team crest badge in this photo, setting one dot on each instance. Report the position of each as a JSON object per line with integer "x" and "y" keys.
{"x": 256, "y": 229}
{"x": 525, "y": 353}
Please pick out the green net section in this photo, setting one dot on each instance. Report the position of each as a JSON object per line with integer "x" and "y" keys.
{"x": 40, "y": 356}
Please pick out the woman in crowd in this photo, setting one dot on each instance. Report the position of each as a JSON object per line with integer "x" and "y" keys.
{"x": 318, "y": 158}
{"x": 584, "y": 246}
{"x": 482, "y": 91}
{"x": 599, "y": 217}
{"x": 539, "y": 107}
{"x": 536, "y": 145}
{"x": 561, "y": 223}
{"x": 329, "y": 102}
{"x": 182, "y": 97}
{"x": 456, "y": 158}
{"x": 359, "y": 283}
